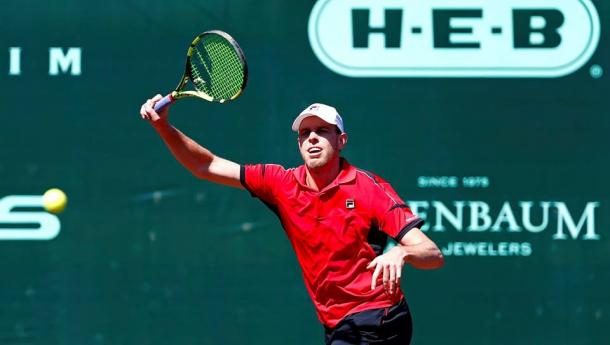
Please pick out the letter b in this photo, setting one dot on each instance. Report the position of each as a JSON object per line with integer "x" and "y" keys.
{"x": 537, "y": 28}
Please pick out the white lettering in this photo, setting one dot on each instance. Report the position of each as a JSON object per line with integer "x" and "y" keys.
{"x": 506, "y": 215}
{"x": 437, "y": 181}
{"x": 526, "y": 207}
{"x": 14, "y": 61}
{"x": 500, "y": 249}
{"x": 564, "y": 216}
{"x": 443, "y": 212}
{"x": 48, "y": 224}
{"x": 479, "y": 211}
{"x": 441, "y": 218}
{"x": 58, "y": 61}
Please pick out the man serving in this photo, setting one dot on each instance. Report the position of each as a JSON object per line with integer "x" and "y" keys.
{"x": 338, "y": 219}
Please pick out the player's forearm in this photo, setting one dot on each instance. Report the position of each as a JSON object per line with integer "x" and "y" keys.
{"x": 425, "y": 255}
{"x": 190, "y": 154}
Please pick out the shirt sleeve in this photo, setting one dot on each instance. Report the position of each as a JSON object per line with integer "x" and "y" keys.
{"x": 261, "y": 180}
{"x": 393, "y": 215}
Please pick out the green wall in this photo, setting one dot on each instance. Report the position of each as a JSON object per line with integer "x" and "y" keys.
{"x": 147, "y": 254}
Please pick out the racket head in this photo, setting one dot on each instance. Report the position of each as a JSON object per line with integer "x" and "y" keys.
{"x": 216, "y": 66}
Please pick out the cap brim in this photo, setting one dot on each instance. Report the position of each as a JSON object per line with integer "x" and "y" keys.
{"x": 297, "y": 122}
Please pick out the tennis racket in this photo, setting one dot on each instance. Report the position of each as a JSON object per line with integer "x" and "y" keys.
{"x": 216, "y": 66}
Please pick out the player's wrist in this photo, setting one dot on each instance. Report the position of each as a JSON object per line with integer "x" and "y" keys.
{"x": 161, "y": 125}
{"x": 404, "y": 253}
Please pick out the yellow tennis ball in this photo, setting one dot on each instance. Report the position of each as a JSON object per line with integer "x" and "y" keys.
{"x": 54, "y": 200}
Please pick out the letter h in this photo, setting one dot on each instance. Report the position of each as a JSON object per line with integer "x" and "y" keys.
{"x": 361, "y": 28}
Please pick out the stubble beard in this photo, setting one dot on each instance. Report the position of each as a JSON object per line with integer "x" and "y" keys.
{"x": 320, "y": 164}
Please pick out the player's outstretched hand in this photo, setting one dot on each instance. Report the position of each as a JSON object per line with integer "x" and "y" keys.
{"x": 147, "y": 111}
{"x": 390, "y": 266}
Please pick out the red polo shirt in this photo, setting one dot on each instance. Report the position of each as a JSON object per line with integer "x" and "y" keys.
{"x": 335, "y": 232}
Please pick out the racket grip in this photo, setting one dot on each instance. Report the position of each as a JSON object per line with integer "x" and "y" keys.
{"x": 164, "y": 102}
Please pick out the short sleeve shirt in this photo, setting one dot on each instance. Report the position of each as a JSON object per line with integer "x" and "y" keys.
{"x": 335, "y": 232}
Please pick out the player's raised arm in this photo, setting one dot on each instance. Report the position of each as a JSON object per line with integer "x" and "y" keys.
{"x": 196, "y": 158}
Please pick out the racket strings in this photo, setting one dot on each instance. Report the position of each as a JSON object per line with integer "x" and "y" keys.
{"x": 197, "y": 79}
{"x": 220, "y": 79}
{"x": 216, "y": 68}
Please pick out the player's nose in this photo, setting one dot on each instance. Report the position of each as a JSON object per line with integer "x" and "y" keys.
{"x": 313, "y": 137}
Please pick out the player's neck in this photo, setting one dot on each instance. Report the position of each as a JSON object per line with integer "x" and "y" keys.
{"x": 317, "y": 179}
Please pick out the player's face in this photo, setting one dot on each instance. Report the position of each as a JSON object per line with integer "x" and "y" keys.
{"x": 319, "y": 142}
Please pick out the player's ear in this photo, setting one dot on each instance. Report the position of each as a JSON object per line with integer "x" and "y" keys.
{"x": 342, "y": 140}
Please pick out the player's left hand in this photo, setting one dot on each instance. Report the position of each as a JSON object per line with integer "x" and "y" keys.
{"x": 390, "y": 265}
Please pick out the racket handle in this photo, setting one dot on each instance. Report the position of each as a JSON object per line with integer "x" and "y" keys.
{"x": 164, "y": 102}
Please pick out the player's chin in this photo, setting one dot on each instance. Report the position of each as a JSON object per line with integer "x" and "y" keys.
{"x": 315, "y": 163}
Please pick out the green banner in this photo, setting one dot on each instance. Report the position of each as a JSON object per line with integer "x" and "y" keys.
{"x": 489, "y": 117}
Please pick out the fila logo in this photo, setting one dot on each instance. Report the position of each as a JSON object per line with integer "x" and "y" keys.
{"x": 350, "y": 204}
{"x": 454, "y": 38}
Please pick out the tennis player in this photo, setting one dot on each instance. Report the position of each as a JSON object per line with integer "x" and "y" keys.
{"x": 338, "y": 219}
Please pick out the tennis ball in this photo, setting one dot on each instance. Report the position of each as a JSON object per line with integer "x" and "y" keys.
{"x": 54, "y": 200}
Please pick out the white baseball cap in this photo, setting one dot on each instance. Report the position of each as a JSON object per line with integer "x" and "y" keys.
{"x": 323, "y": 111}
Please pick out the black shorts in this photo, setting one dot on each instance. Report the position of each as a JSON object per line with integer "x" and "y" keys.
{"x": 388, "y": 326}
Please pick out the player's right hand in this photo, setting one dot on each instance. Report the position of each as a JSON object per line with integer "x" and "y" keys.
{"x": 147, "y": 112}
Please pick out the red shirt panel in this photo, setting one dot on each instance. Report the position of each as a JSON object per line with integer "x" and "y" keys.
{"x": 330, "y": 231}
